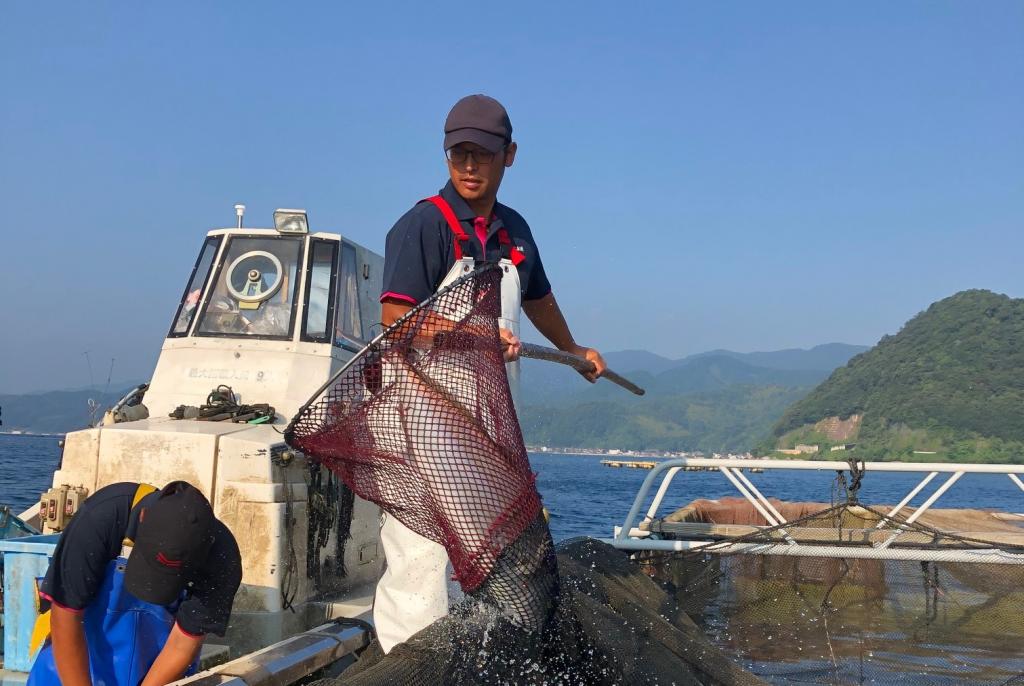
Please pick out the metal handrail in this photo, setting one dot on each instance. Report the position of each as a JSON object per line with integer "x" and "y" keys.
{"x": 674, "y": 466}
{"x": 993, "y": 556}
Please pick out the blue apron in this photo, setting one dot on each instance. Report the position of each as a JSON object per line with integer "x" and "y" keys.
{"x": 124, "y": 635}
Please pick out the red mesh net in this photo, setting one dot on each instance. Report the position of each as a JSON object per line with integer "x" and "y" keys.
{"x": 422, "y": 423}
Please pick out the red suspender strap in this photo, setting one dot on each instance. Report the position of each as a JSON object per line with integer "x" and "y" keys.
{"x": 513, "y": 252}
{"x": 461, "y": 236}
{"x": 453, "y": 223}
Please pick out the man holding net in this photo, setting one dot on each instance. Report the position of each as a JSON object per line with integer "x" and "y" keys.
{"x": 430, "y": 247}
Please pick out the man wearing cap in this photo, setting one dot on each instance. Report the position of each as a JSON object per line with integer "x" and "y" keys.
{"x": 426, "y": 250}
{"x": 138, "y": 578}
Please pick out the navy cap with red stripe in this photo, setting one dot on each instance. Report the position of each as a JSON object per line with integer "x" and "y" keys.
{"x": 173, "y": 538}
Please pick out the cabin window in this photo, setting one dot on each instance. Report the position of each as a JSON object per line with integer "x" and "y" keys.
{"x": 349, "y": 323}
{"x": 254, "y": 291}
{"x": 319, "y": 291}
{"x": 193, "y": 292}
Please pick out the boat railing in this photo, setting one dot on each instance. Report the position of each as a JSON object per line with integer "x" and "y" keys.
{"x": 290, "y": 660}
{"x": 630, "y": 536}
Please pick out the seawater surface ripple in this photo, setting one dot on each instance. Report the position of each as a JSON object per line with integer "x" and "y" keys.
{"x": 584, "y": 497}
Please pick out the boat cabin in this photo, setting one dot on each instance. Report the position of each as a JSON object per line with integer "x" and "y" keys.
{"x": 272, "y": 314}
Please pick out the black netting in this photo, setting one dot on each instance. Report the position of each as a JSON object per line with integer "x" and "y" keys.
{"x": 842, "y": 620}
{"x": 704, "y": 617}
{"x": 422, "y": 423}
{"x": 612, "y": 625}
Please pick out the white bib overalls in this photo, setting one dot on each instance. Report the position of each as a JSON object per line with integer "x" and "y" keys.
{"x": 414, "y": 589}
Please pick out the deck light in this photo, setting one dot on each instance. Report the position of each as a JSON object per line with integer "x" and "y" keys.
{"x": 291, "y": 221}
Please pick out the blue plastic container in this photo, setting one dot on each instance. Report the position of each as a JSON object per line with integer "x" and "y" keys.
{"x": 25, "y": 559}
{"x": 12, "y": 527}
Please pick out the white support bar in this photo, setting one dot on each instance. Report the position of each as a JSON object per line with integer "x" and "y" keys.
{"x": 753, "y": 489}
{"x": 660, "y": 495}
{"x": 634, "y": 533}
{"x": 921, "y": 510}
{"x": 910, "y": 496}
{"x": 1016, "y": 479}
{"x": 749, "y": 496}
{"x": 641, "y": 496}
{"x": 850, "y": 552}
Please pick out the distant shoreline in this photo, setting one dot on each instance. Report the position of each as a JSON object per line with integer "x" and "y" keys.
{"x": 614, "y": 452}
{"x": 34, "y": 434}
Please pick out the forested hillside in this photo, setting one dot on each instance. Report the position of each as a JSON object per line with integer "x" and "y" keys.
{"x": 729, "y": 419}
{"x": 949, "y": 385}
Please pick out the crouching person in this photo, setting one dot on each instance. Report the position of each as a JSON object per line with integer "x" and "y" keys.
{"x": 138, "y": 578}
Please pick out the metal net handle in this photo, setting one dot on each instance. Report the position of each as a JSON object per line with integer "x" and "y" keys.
{"x": 539, "y": 352}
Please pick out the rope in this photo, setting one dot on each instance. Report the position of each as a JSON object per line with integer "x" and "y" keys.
{"x": 857, "y": 472}
{"x": 222, "y": 405}
{"x": 289, "y": 580}
{"x": 346, "y": 508}
{"x": 322, "y": 507}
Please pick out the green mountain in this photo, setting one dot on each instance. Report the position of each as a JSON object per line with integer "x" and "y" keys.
{"x": 713, "y": 402}
{"x": 948, "y": 386}
{"x": 547, "y": 384}
{"x": 728, "y": 419}
{"x": 825, "y": 357}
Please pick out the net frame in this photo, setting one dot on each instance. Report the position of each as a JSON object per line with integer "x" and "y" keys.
{"x": 421, "y": 422}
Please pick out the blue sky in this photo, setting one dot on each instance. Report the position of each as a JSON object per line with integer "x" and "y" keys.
{"x": 751, "y": 176}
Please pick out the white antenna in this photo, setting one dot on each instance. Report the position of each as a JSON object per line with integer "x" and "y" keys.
{"x": 239, "y": 212}
{"x": 88, "y": 362}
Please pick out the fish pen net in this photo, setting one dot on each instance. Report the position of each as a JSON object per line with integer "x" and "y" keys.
{"x": 837, "y": 618}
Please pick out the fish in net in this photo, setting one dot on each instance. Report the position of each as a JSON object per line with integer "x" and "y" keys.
{"x": 421, "y": 422}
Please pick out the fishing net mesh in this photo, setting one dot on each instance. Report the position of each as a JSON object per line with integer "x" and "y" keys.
{"x": 422, "y": 423}
{"x": 612, "y": 625}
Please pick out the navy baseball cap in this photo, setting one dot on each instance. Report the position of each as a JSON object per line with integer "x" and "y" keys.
{"x": 478, "y": 119}
{"x": 172, "y": 540}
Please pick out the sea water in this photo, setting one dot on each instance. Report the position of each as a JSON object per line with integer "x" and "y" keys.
{"x": 585, "y": 498}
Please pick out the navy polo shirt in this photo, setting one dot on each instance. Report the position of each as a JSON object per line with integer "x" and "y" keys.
{"x": 93, "y": 538}
{"x": 420, "y": 249}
